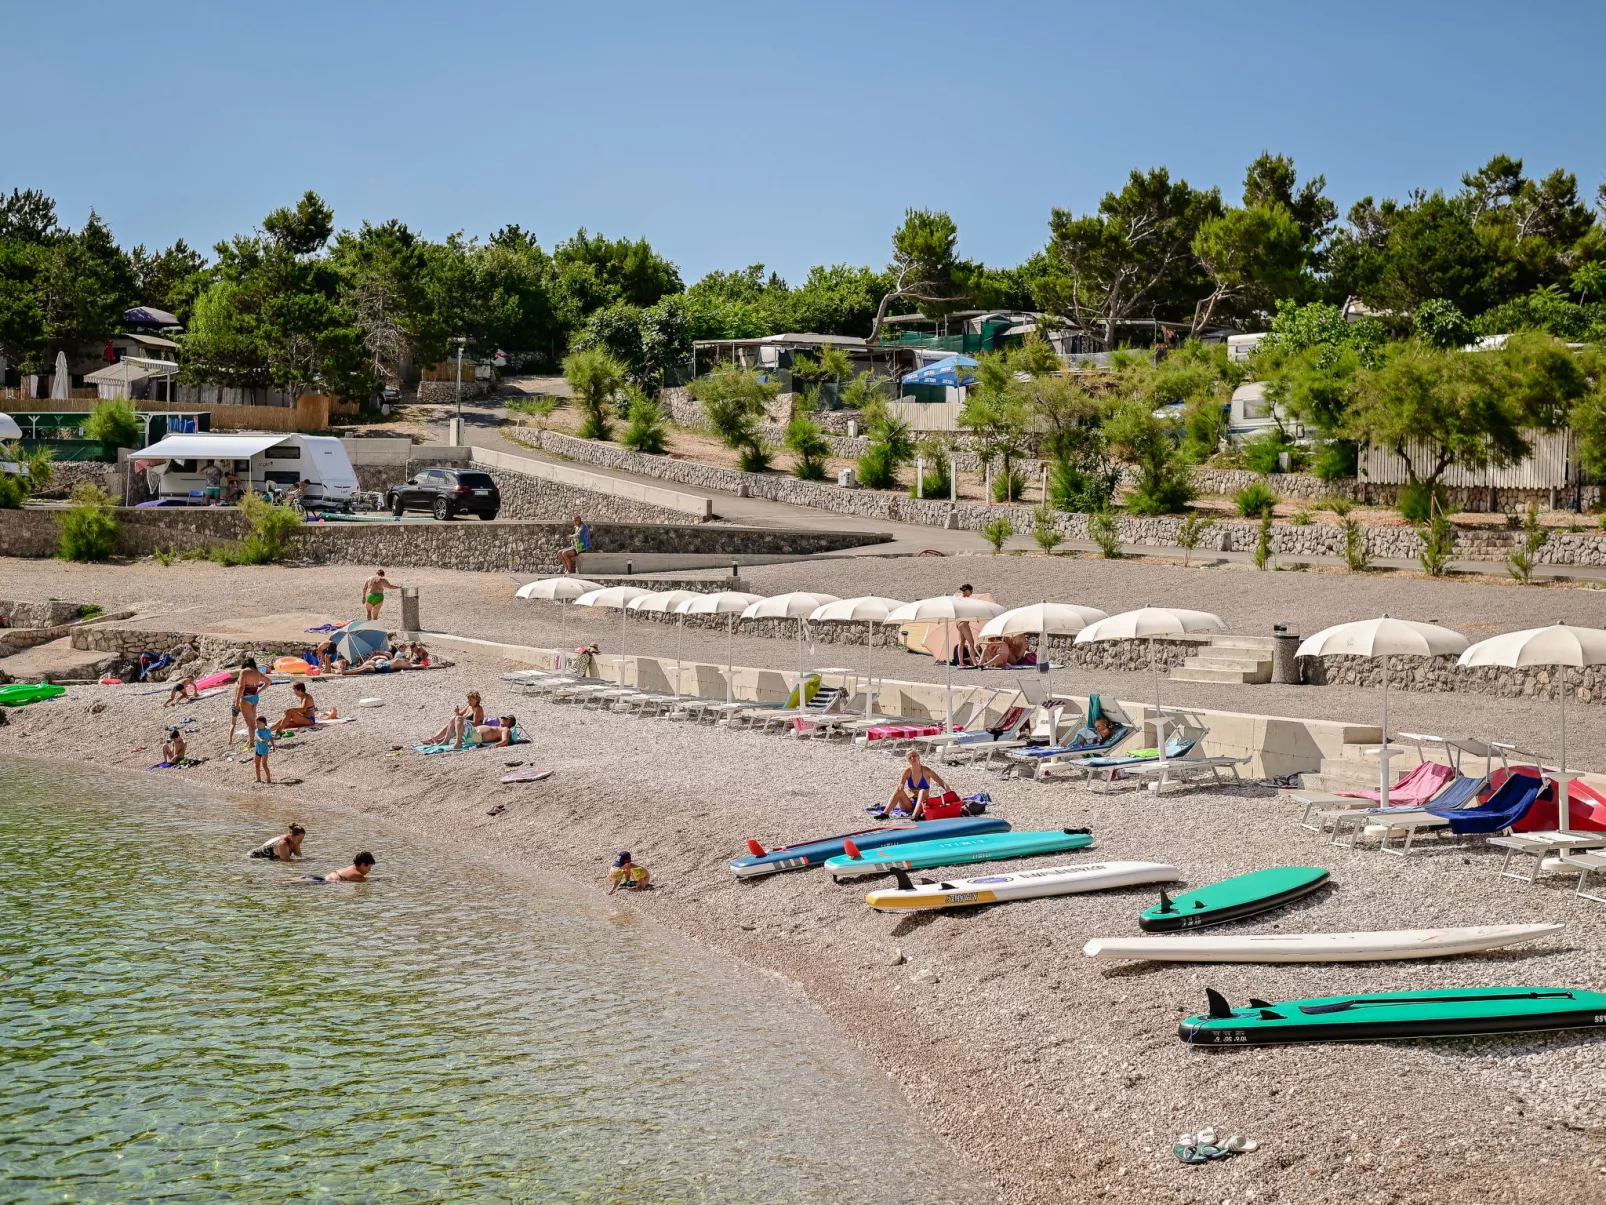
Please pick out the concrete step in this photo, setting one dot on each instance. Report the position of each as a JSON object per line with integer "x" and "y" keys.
{"x": 1188, "y": 673}
{"x": 1226, "y": 661}
{"x": 1263, "y": 645}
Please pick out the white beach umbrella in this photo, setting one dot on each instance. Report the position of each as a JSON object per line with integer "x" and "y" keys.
{"x": 559, "y": 590}
{"x": 613, "y": 596}
{"x": 1381, "y": 639}
{"x": 868, "y": 609}
{"x": 665, "y": 602}
{"x": 946, "y": 608}
{"x": 1151, "y": 624}
{"x": 729, "y": 603}
{"x": 1045, "y": 619}
{"x": 1561, "y": 646}
{"x": 798, "y": 605}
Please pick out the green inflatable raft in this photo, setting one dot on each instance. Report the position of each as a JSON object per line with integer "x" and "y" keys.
{"x": 20, "y": 694}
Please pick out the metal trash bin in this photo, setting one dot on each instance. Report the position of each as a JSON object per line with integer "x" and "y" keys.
{"x": 410, "y": 623}
{"x": 1284, "y": 662}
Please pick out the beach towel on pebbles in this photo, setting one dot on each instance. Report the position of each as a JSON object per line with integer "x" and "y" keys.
{"x": 518, "y": 739}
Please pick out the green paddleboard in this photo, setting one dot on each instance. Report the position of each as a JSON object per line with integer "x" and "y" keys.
{"x": 1440, "y": 1013}
{"x": 1232, "y": 898}
{"x": 20, "y": 694}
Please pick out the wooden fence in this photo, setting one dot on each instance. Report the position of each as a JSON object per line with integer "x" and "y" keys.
{"x": 310, "y": 413}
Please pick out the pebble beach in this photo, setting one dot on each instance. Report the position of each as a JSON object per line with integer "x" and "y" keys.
{"x": 1055, "y": 1077}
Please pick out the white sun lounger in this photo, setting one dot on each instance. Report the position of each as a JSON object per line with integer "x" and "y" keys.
{"x": 1540, "y": 846}
{"x": 1586, "y": 864}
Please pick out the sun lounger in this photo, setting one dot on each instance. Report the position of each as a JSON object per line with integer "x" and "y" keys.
{"x": 1586, "y": 865}
{"x": 1540, "y": 846}
{"x": 1010, "y": 723}
{"x": 1460, "y": 793}
{"x": 1092, "y": 765}
{"x": 1035, "y": 762}
{"x": 1184, "y": 769}
{"x": 1416, "y": 789}
{"x": 1509, "y": 804}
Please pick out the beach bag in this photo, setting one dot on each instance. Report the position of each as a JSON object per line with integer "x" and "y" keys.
{"x": 946, "y": 808}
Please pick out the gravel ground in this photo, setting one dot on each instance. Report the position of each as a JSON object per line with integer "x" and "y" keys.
{"x": 1058, "y": 1077}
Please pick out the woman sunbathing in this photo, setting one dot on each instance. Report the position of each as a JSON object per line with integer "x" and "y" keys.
{"x": 474, "y": 713}
{"x": 1002, "y": 652}
{"x": 303, "y": 711}
{"x": 909, "y": 796}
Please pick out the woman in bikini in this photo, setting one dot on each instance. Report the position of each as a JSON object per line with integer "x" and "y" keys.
{"x": 909, "y": 797}
{"x": 247, "y": 693}
{"x": 303, "y": 712}
{"x": 474, "y": 713}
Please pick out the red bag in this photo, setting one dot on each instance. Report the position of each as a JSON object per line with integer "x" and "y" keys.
{"x": 945, "y": 808}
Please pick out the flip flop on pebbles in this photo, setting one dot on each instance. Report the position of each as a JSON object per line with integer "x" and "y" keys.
{"x": 1204, "y": 1147}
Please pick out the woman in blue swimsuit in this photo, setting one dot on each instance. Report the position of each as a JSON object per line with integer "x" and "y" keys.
{"x": 909, "y": 797}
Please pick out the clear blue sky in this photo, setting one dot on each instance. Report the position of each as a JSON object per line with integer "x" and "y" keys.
{"x": 733, "y": 133}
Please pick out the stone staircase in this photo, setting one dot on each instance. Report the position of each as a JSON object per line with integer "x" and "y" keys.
{"x": 1241, "y": 659}
{"x": 1355, "y": 769}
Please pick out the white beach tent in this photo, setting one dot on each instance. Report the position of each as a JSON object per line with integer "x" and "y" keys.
{"x": 1383, "y": 639}
{"x": 946, "y": 608}
{"x": 798, "y": 605}
{"x": 729, "y": 603}
{"x": 868, "y": 609}
{"x": 1560, "y": 646}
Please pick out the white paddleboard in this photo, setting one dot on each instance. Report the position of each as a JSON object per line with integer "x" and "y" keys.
{"x": 1317, "y": 947}
{"x": 1021, "y": 885}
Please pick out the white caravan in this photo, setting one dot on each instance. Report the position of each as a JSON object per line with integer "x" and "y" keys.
{"x": 264, "y": 463}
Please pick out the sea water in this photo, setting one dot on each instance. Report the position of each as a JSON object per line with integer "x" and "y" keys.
{"x": 179, "y": 1023}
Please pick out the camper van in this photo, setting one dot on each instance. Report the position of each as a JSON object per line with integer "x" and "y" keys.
{"x": 264, "y": 463}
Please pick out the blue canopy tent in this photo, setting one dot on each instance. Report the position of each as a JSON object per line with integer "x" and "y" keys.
{"x": 943, "y": 372}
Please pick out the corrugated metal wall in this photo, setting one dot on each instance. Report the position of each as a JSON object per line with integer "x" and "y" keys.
{"x": 1549, "y": 466}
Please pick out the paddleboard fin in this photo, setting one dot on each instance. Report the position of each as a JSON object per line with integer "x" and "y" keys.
{"x": 754, "y": 848}
{"x": 1078, "y": 832}
{"x": 902, "y": 876}
{"x": 1267, "y": 1014}
{"x": 851, "y": 849}
{"x": 1219, "y": 1008}
{"x": 1165, "y": 902}
{"x": 1254, "y": 1003}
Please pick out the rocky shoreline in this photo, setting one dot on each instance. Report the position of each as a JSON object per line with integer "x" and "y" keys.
{"x": 1053, "y": 1077}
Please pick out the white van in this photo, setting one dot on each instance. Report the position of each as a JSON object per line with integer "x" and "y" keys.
{"x": 264, "y": 463}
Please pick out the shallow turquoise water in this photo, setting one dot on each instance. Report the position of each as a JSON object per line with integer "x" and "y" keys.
{"x": 178, "y": 1024}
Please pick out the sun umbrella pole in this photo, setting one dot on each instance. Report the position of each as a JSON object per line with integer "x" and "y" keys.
{"x": 680, "y": 630}
{"x": 1159, "y": 716}
{"x": 1383, "y": 751}
{"x": 948, "y": 692}
{"x": 1563, "y": 783}
{"x": 730, "y": 658}
{"x": 869, "y": 665}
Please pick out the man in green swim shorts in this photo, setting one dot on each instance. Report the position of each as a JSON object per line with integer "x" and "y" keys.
{"x": 373, "y": 593}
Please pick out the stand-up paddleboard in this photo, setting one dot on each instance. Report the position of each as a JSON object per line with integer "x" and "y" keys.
{"x": 527, "y": 776}
{"x": 813, "y": 853}
{"x": 1022, "y": 885}
{"x": 1444, "y": 1013}
{"x": 1319, "y": 947}
{"x": 855, "y": 862}
{"x": 1232, "y": 899}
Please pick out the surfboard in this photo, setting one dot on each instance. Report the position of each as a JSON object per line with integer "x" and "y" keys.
{"x": 1319, "y": 947}
{"x": 1232, "y": 899}
{"x": 760, "y": 861}
{"x": 1373, "y": 1016}
{"x": 855, "y": 863}
{"x": 1021, "y": 885}
{"x": 527, "y": 776}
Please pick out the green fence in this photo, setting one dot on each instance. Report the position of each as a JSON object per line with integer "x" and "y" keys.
{"x": 74, "y": 449}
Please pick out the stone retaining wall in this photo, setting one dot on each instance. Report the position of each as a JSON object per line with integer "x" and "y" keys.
{"x": 526, "y": 497}
{"x": 37, "y": 614}
{"x": 446, "y": 391}
{"x": 1441, "y": 675}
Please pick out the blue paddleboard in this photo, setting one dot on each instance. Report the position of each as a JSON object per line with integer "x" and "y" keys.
{"x": 954, "y": 851}
{"x": 814, "y": 853}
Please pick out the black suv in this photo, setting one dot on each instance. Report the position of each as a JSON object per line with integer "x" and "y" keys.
{"x": 447, "y": 493}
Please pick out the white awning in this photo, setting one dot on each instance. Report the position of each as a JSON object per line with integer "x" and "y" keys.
{"x": 208, "y": 447}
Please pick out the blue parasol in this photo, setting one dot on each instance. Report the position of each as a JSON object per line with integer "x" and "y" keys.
{"x": 943, "y": 372}
{"x": 361, "y": 640}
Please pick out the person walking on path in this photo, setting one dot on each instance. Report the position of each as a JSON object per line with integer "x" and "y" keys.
{"x": 578, "y": 543}
{"x": 373, "y": 593}
{"x": 248, "y": 690}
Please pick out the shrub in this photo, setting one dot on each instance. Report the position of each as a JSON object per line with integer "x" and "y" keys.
{"x": 807, "y": 442}
{"x": 936, "y": 479}
{"x": 1356, "y": 555}
{"x": 1520, "y": 564}
{"x": 541, "y": 408}
{"x": 648, "y": 429}
{"x": 997, "y": 531}
{"x": 270, "y": 539}
{"x": 89, "y": 530}
{"x": 595, "y": 376}
{"x": 1336, "y": 458}
{"x": 756, "y": 457}
{"x": 1085, "y": 483}
{"x": 1339, "y": 506}
{"x": 1008, "y": 487}
{"x": 165, "y": 556}
{"x": 1438, "y": 545}
{"x": 1264, "y": 452}
{"x": 889, "y": 448}
{"x": 114, "y": 423}
{"x": 1300, "y": 518}
{"x": 13, "y": 492}
{"x": 1255, "y": 500}
{"x": 1418, "y": 503}
{"x": 1191, "y": 532}
{"x": 35, "y": 469}
{"x": 1106, "y": 533}
{"x": 1045, "y": 528}
{"x": 1263, "y": 542}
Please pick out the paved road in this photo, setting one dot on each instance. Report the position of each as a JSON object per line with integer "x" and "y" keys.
{"x": 482, "y": 429}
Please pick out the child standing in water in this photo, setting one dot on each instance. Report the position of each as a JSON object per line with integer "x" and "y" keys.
{"x": 264, "y": 746}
